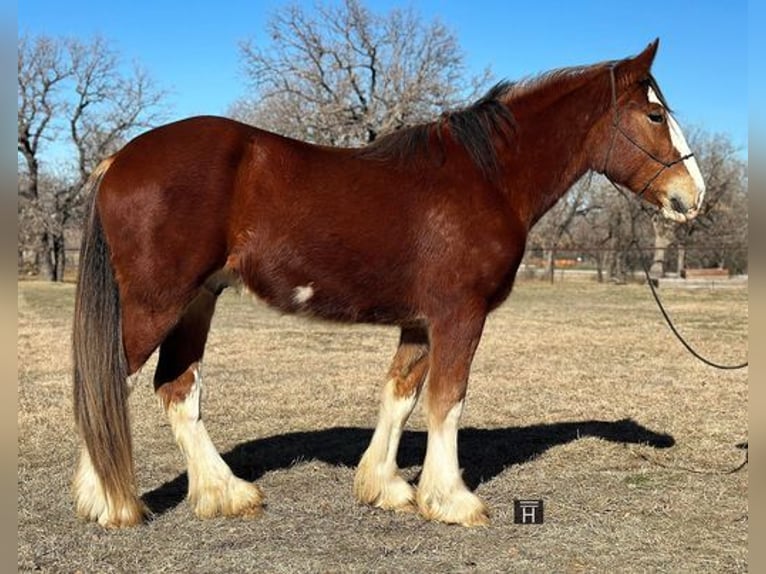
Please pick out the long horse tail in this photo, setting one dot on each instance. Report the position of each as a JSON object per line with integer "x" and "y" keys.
{"x": 100, "y": 379}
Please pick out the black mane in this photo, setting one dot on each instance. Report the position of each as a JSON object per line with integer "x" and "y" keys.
{"x": 473, "y": 127}
{"x": 477, "y": 126}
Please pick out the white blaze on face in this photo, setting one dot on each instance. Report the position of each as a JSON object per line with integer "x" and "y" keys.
{"x": 679, "y": 142}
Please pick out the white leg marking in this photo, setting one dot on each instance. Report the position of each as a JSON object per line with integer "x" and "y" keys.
{"x": 679, "y": 142}
{"x": 377, "y": 480}
{"x": 90, "y": 498}
{"x": 92, "y": 503}
{"x": 442, "y": 495}
{"x": 302, "y": 294}
{"x": 213, "y": 488}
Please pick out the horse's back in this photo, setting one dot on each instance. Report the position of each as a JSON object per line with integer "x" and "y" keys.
{"x": 195, "y": 150}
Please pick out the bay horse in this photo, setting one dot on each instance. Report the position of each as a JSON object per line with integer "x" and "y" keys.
{"x": 422, "y": 229}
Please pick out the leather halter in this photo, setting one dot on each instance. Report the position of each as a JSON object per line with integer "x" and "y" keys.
{"x": 616, "y": 127}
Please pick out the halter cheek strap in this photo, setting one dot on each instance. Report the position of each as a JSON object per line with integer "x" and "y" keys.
{"x": 616, "y": 127}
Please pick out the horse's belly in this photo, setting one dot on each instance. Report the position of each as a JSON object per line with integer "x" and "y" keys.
{"x": 347, "y": 294}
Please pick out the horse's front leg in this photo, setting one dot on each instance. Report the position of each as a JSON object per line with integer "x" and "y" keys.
{"x": 442, "y": 494}
{"x": 377, "y": 480}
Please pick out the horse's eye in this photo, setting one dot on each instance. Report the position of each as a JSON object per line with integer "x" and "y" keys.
{"x": 656, "y": 117}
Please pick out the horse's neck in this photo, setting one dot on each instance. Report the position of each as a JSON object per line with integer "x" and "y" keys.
{"x": 555, "y": 182}
{"x": 552, "y": 152}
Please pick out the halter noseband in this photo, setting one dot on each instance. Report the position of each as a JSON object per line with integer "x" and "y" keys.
{"x": 617, "y": 128}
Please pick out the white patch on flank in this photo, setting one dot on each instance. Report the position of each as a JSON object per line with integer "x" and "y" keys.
{"x": 302, "y": 293}
{"x": 679, "y": 142}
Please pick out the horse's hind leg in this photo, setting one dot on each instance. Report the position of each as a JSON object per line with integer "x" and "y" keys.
{"x": 377, "y": 480}
{"x": 213, "y": 488}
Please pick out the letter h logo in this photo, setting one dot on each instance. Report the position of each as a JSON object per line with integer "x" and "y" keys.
{"x": 528, "y": 511}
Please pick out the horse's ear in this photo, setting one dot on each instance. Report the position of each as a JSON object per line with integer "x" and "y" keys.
{"x": 637, "y": 68}
{"x": 649, "y": 52}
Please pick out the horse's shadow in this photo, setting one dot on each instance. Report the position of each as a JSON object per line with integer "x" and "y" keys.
{"x": 484, "y": 453}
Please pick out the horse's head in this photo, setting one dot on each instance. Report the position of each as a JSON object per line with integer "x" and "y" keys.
{"x": 640, "y": 146}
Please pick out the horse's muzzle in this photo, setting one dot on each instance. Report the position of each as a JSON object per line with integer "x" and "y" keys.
{"x": 676, "y": 209}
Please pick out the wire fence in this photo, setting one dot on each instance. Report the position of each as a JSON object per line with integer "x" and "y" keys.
{"x": 626, "y": 263}
{"x": 597, "y": 263}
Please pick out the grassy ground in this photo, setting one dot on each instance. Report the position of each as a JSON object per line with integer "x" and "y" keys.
{"x": 579, "y": 395}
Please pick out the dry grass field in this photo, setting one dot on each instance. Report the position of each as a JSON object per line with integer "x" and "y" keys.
{"x": 579, "y": 395}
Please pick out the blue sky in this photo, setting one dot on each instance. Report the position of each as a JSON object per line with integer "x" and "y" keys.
{"x": 191, "y": 48}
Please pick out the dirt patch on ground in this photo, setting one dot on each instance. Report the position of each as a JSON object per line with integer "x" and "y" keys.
{"x": 579, "y": 395}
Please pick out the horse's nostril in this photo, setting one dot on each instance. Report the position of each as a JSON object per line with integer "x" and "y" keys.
{"x": 677, "y": 205}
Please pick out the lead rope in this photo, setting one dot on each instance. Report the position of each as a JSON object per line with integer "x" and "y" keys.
{"x": 726, "y": 471}
{"x": 713, "y": 364}
{"x": 663, "y": 166}
{"x": 678, "y": 335}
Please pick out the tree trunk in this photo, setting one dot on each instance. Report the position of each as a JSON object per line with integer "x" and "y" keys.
{"x": 610, "y": 260}
{"x": 45, "y": 263}
{"x": 550, "y": 265}
{"x": 681, "y": 258}
{"x": 662, "y": 239}
{"x": 616, "y": 268}
{"x": 59, "y": 257}
{"x": 51, "y": 256}
{"x": 600, "y": 266}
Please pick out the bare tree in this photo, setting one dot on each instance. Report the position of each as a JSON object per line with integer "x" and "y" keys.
{"x": 555, "y": 227}
{"x": 594, "y": 217}
{"x": 619, "y": 229}
{"x": 597, "y": 221}
{"x": 74, "y": 102}
{"x": 718, "y": 236}
{"x": 343, "y": 75}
